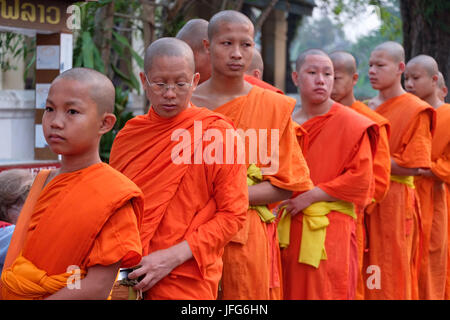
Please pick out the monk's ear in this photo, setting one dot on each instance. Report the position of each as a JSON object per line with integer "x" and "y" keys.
{"x": 108, "y": 121}
{"x": 257, "y": 74}
{"x": 435, "y": 80}
{"x": 294, "y": 76}
{"x": 355, "y": 78}
{"x": 401, "y": 67}
{"x": 196, "y": 80}
{"x": 142, "y": 77}
{"x": 206, "y": 45}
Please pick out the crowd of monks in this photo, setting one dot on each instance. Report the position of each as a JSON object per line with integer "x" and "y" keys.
{"x": 357, "y": 208}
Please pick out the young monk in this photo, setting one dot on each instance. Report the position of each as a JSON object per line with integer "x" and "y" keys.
{"x": 251, "y": 259}
{"x": 195, "y": 33}
{"x": 345, "y": 78}
{"x": 254, "y": 73}
{"x": 193, "y": 207}
{"x": 421, "y": 77}
{"x": 342, "y": 172}
{"x": 394, "y": 222}
{"x": 79, "y": 221}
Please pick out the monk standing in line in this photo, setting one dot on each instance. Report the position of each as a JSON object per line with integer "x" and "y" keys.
{"x": 421, "y": 77}
{"x": 394, "y": 224}
{"x": 339, "y": 153}
{"x": 195, "y": 33}
{"x": 345, "y": 78}
{"x": 195, "y": 200}
{"x": 251, "y": 259}
{"x": 80, "y": 222}
{"x": 254, "y": 73}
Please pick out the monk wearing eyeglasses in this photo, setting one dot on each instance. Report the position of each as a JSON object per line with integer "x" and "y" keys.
{"x": 192, "y": 208}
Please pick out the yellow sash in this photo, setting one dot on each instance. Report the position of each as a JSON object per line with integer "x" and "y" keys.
{"x": 25, "y": 280}
{"x": 254, "y": 177}
{"x": 315, "y": 222}
{"x": 408, "y": 180}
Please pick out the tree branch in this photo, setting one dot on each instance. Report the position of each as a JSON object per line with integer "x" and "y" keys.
{"x": 259, "y": 23}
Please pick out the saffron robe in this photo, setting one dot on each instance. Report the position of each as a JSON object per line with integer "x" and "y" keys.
{"x": 193, "y": 200}
{"x": 251, "y": 259}
{"x": 381, "y": 173}
{"x": 434, "y": 213}
{"x": 394, "y": 223}
{"x": 262, "y": 84}
{"x": 344, "y": 170}
{"x": 84, "y": 218}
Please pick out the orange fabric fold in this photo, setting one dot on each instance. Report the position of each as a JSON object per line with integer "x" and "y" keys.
{"x": 343, "y": 169}
{"x": 247, "y": 258}
{"x": 89, "y": 205}
{"x": 434, "y": 213}
{"x": 394, "y": 223}
{"x": 202, "y": 203}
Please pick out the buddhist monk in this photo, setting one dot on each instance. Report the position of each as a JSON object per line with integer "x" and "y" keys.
{"x": 421, "y": 77}
{"x": 251, "y": 259}
{"x": 345, "y": 78}
{"x": 320, "y": 261}
{"x": 193, "y": 206}
{"x": 195, "y": 33}
{"x": 254, "y": 73}
{"x": 80, "y": 222}
{"x": 394, "y": 224}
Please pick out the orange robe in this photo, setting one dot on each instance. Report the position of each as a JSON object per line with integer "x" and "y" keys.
{"x": 447, "y": 280}
{"x": 344, "y": 170}
{"x": 84, "y": 218}
{"x": 251, "y": 259}
{"x": 381, "y": 173}
{"x": 434, "y": 214}
{"x": 262, "y": 84}
{"x": 204, "y": 204}
{"x": 394, "y": 223}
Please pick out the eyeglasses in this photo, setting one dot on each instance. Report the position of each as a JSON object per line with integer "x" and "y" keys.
{"x": 161, "y": 88}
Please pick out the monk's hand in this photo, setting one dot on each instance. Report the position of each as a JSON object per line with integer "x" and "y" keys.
{"x": 429, "y": 174}
{"x": 159, "y": 264}
{"x": 294, "y": 205}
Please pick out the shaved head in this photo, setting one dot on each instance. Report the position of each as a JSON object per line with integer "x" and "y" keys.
{"x": 393, "y": 49}
{"x": 344, "y": 61}
{"x": 101, "y": 89}
{"x": 168, "y": 47}
{"x": 309, "y": 52}
{"x": 257, "y": 61}
{"x": 428, "y": 63}
{"x": 193, "y": 33}
{"x": 227, "y": 16}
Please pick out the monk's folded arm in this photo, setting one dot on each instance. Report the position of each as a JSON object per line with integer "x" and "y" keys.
{"x": 354, "y": 184}
{"x": 441, "y": 167}
{"x": 265, "y": 193}
{"x": 230, "y": 195}
{"x": 306, "y": 199}
{"x": 95, "y": 286}
{"x": 417, "y": 148}
{"x": 402, "y": 171}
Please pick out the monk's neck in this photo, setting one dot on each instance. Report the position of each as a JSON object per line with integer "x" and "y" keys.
{"x": 78, "y": 162}
{"x": 310, "y": 110}
{"x": 230, "y": 86}
{"x": 434, "y": 101}
{"x": 348, "y": 100}
{"x": 391, "y": 92}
